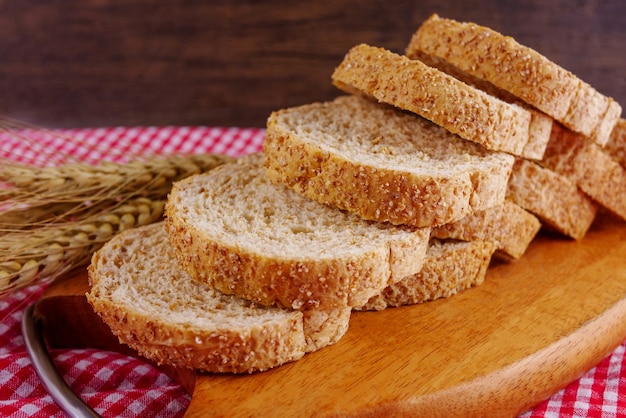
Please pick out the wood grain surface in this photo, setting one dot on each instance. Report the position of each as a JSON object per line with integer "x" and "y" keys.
{"x": 535, "y": 325}
{"x": 230, "y": 63}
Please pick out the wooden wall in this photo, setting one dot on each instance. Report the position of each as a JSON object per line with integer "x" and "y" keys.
{"x": 198, "y": 62}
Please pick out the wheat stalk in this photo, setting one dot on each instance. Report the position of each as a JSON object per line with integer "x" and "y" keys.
{"x": 37, "y": 196}
{"x": 51, "y": 250}
{"x": 52, "y": 219}
{"x": 74, "y": 181}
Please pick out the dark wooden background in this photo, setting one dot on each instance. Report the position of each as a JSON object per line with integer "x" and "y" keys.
{"x": 70, "y": 63}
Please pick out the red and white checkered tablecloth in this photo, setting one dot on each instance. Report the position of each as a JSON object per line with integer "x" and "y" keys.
{"x": 119, "y": 386}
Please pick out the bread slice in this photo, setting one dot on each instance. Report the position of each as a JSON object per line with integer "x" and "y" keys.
{"x": 616, "y": 147}
{"x": 499, "y": 59}
{"x": 450, "y": 267}
{"x": 540, "y": 123}
{"x": 508, "y": 226}
{"x": 382, "y": 164}
{"x": 554, "y": 199}
{"x": 586, "y": 164}
{"x": 152, "y": 305}
{"x": 243, "y": 235}
{"x": 411, "y": 85}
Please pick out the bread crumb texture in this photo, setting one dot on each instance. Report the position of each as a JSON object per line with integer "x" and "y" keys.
{"x": 152, "y": 305}
{"x": 244, "y": 235}
{"x": 382, "y": 164}
{"x": 499, "y": 59}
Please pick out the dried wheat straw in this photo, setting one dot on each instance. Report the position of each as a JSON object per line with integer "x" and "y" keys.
{"x": 53, "y": 218}
{"x": 51, "y": 250}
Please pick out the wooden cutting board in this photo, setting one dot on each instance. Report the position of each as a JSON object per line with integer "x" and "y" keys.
{"x": 535, "y": 325}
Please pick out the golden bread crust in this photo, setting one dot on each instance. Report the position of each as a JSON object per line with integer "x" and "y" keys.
{"x": 508, "y": 226}
{"x": 450, "y": 268}
{"x": 146, "y": 314}
{"x": 530, "y": 76}
{"x": 384, "y": 191}
{"x": 411, "y": 85}
{"x": 593, "y": 170}
{"x": 553, "y": 198}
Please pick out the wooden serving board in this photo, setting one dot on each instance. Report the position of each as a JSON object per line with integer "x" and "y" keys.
{"x": 535, "y": 325}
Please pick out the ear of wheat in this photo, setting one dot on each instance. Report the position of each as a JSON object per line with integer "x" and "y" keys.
{"x": 53, "y": 217}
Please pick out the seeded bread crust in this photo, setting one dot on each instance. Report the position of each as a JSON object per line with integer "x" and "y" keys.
{"x": 245, "y": 236}
{"x": 616, "y": 147}
{"x": 508, "y": 226}
{"x": 152, "y": 305}
{"x": 382, "y": 164}
{"x": 411, "y": 85}
{"x": 499, "y": 59}
{"x": 554, "y": 199}
{"x": 588, "y": 166}
{"x": 450, "y": 268}
{"x": 540, "y": 123}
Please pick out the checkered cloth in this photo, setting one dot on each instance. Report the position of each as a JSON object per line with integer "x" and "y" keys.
{"x": 119, "y": 386}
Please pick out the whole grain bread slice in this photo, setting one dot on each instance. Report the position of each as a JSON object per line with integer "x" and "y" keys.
{"x": 152, "y": 305}
{"x": 586, "y": 164}
{"x": 382, "y": 164}
{"x": 243, "y": 235}
{"x": 412, "y": 85}
{"x": 553, "y": 198}
{"x": 616, "y": 147}
{"x": 530, "y": 76}
{"x": 540, "y": 123}
{"x": 450, "y": 267}
{"x": 510, "y": 227}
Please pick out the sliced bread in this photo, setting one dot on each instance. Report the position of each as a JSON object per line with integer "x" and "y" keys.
{"x": 540, "y": 123}
{"x": 382, "y": 164}
{"x": 508, "y": 226}
{"x": 243, "y": 235}
{"x": 450, "y": 267}
{"x": 586, "y": 164}
{"x": 412, "y": 85}
{"x": 616, "y": 147}
{"x": 530, "y": 76}
{"x": 152, "y": 305}
{"x": 554, "y": 199}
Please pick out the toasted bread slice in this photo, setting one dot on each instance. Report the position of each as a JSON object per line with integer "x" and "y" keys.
{"x": 152, "y": 305}
{"x": 553, "y": 198}
{"x": 243, "y": 235}
{"x": 450, "y": 267}
{"x": 382, "y": 164}
{"x": 528, "y": 75}
{"x": 508, "y": 226}
{"x": 412, "y": 85}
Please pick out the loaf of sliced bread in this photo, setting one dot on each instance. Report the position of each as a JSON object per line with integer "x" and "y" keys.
{"x": 616, "y": 147}
{"x": 382, "y": 164}
{"x": 530, "y": 76}
{"x": 540, "y": 123}
{"x": 586, "y": 164}
{"x": 411, "y": 85}
{"x": 155, "y": 307}
{"x": 243, "y": 235}
{"x": 553, "y": 198}
{"x": 450, "y": 267}
{"x": 508, "y": 226}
